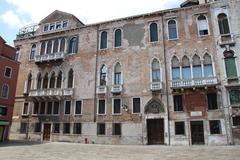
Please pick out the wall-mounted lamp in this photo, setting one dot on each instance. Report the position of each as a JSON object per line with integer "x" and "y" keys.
{"x": 125, "y": 107}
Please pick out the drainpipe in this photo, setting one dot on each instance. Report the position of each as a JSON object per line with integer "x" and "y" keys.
{"x": 166, "y": 78}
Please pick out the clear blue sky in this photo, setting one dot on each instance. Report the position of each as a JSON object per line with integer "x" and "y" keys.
{"x": 15, "y": 14}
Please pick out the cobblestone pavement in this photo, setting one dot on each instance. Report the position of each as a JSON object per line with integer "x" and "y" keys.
{"x": 74, "y": 151}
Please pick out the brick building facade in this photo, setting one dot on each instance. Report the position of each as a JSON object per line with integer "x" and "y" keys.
{"x": 149, "y": 79}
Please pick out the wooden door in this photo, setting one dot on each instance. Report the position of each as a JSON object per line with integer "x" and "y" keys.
{"x": 1, "y": 133}
{"x": 197, "y": 132}
{"x": 46, "y": 132}
{"x": 155, "y": 130}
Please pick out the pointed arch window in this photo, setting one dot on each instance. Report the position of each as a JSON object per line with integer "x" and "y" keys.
{"x": 43, "y": 45}
{"x": 202, "y": 25}
{"x": 103, "y": 75}
{"x": 29, "y": 82}
{"x": 172, "y": 29}
{"x": 55, "y": 46}
{"x": 45, "y": 81}
{"x": 155, "y": 70}
{"x": 208, "y": 68}
{"x": 117, "y": 74}
{"x": 62, "y": 45}
{"x": 39, "y": 81}
{"x": 197, "y": 68}
{"x": 70, "y": 78}
{"x": 52, "y": 80}
{"x": 118, "y": 38}
{"x": 5, "y": 90}
{"x": 186, "y": 69}
{"x": 32, "y": 53}
{"x": 73, "y": 44}
{"x": 175, "y": 68}
{"x": 103, "y": 40}
{"x": 223, "y": 24}
{"x": 59, "y": 80}
{"x": 153, "y": 32}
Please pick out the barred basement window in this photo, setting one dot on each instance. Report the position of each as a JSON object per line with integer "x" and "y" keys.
{"x": 38, "y": 127}
{"x": 78, "y": 107}
{"x": 215, "y": 127}
{"x": 116, "y": 106}
{"x": 66, "y": 128}
{"x": 212, "y": 101}
{"x": 136, "y": 105}
{"x": 67, "y": 107}
{"x": 23, "y": 127}
{"x": 101, "y": 129}
{"x": 236, "y": 121}
{"x": 116, "y": 129}
{"x": 77, "y": 128}
{"x": 101, "y": 106}
{"x": 179, "y": 128}
{"x": 56, "y": 127}
{"x": 56, "y": 108}
{"x": 178, "y": 102}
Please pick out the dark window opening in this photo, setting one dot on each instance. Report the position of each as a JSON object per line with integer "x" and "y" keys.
{"x": 215, "y": 127}
{"x": 153, "y": 32}
{"x": 3, "y": 111}
{"x": 36, "y": 108}
{"x": 78, "y": 107}
{"x": 77, "y": 128}
{"x": 66, "y": 128}
{"x": 236, "y": 121}
{"x": 56, "y": 127}
{"x": 67, "y": 107}
{"x": 179, "y": 128}
{"x": 117, "y": 106}
{"x": 70, "y": 78}
{"x": 23, "y": 127}
{"x": 101, "y": 106}
{"x": 118, "y": 38}
{"x": 116, "y": 129}
{"x": 178, "y": 102}
{"x": 212, "y": 101}
{"x": 56, "y": 108}
{"x": 136, "y": 105}
{"x": 42, "y": 108}
{"x": 38, "y": 127}
{"x": 101, "y": 129}
{"x": 103, "y": 41}
{"x": 49, "y": 108}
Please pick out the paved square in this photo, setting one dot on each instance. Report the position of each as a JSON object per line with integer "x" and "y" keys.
{"x": 74, "y": 151}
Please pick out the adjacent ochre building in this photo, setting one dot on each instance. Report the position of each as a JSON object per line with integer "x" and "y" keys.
{"x": 165, "y": 77}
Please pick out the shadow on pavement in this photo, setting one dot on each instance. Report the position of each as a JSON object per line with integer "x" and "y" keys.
{"x": 18, "y": 143}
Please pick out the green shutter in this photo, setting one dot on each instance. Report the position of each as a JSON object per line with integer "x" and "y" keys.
{"x": 234, "y": 96}
{"x": 230, "y": 67}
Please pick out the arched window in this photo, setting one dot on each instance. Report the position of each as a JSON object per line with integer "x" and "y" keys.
{"x": 118, "y": 38}
{"x": 29, "y": 82}
{"x": 103, "y": 40}
{"x": 39, "y": 81}
{"x": 223, "y": 24}
{"x": 155, "y": 70}
{"x": 59, "y": 80}
{"x": 172, "y": 29}
{"x": 45, "y": 81}
{"x": 62, "y": 45}
{"x": 42, "y": 48}
{"x": 17, "y": 56}
{"x": 70, "y": 78}
{"x": 5, "y": 90}
{"x": 103, "y": 75}
{"x": 202, "y": 25}
{"x": 175, "y": 68}
{"x": 230, "y": 65}
{"x": 52, "y": 80}
{"x": 73, "y": 45}
{"x": 208, "y": 69}
{"x": 153, "y": 32}
{"x": 117, "y": 74}
{"x": 55, "y": 46}
{"x": 186, "y": 70}
{"x": 49, "y": 47}
{"x": 33, "y": 51}
{"x": 197, "y": 68}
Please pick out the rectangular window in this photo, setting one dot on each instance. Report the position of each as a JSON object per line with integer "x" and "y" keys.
{"x": 117, "y": 78}
{"x": 212, "y": 101}
{"x": 116, "y": 129}
{"x": 38, "y": 127}
{"x": 116, "y": 106}
{"x": 230, "y": 65}
{"x": 179, "y": 128}
{"x": 42, "y": 108}
{"x": 64, "y": 24}
{"x": 66, "y": 128}
{"x": 56, "y": 108}
{"x": 215, "y": 127}
{"x": 8, "y": 72}
{"x": 175, "y": 73}
{"x": 203, "y": 27}
{"x": 45, "y": 27}
{"x": 156, "y": 75}
{"x": 101, "y": 129}
{"x": 67, "y": 107}
{"x": 178, "y": 102}
{"x": 78, "y": 107}
{"x": 58, "y": 25}
{"x": 236, "y": 121}
{"x": 234, "y": 96}
{"x": 49, "y": 108}
{"x": 101, "y": 106}
{"x": 23, "y": 127}
{"x": 3, "y": 111}
{"x": 36, "y": 108}
{"x": 136, "y": 105}
{"x": 25, "y": 109}
{"x": 52, "y": 27}
{"x": 77, "y": 128}
{"x": 56, "y": 127}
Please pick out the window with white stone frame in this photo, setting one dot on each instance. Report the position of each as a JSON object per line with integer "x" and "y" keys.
{"x": 202, "y": 25}
{"x": 116, "y": 106}
{"x": 25, "y": 108}
{"x": 101, "y": 106}
{"x": 179, "y": 128}
{"x": 215, "y": 126}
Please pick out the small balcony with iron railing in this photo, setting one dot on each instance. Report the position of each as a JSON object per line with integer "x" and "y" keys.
{"x": 226, "y": 39}
{"x": 51, "y": 93}
{"x": 117, "y": 88}
{"x": 101, "y": 89}
{"x": 196, "y": 82}
{"x": 156, "y": 86}
{"x": 58, "y": 56}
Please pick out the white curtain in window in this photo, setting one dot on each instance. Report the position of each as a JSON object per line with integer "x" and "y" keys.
{"x": 202, "y": 24}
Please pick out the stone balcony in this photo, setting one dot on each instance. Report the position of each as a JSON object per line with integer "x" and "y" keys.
{"x": 51, "y": 93}
{"x": 156, "y": 86}
{"x": 116, "y": 88}
{"x": 101, "y": 89}
{"x": 49, "y": 57}
{"x": 226, "y": 39}
{"x": 192, "y": 83}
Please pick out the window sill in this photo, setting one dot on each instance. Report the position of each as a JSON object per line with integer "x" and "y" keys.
{"x": 102, "y": 114}
{"x": 101, "y": 135}
{"x": 174, "y": 39}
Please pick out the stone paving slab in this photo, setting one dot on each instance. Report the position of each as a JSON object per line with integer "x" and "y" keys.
{"x": 75, "y": 151}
